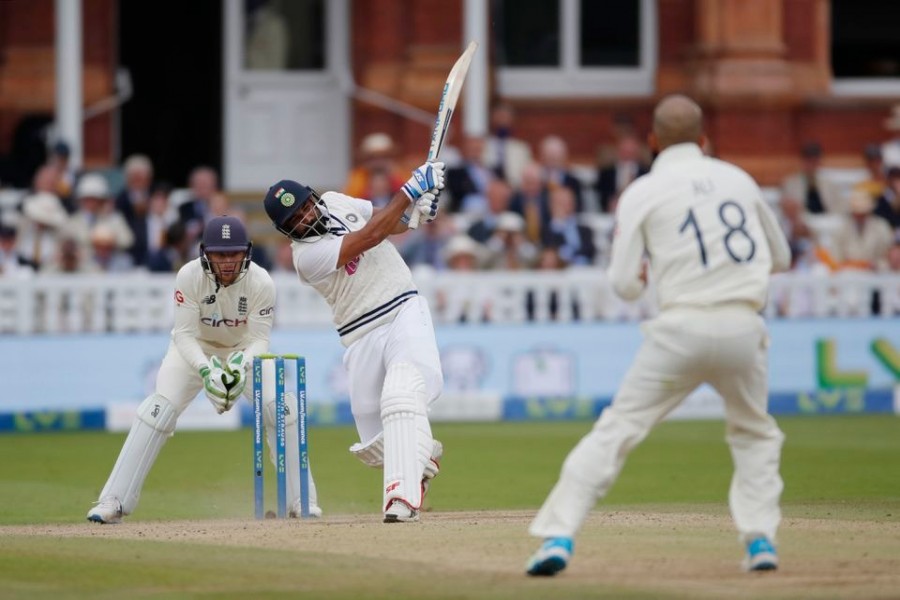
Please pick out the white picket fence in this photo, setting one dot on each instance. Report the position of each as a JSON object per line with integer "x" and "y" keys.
{"x": 142, "y": 302}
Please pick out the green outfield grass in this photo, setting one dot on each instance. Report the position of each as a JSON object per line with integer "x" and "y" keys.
{"x": 835, "y": 468}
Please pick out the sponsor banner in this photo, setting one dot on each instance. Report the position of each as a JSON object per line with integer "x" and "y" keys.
{"x": 490, "y": 372}
{"x": 50, "y": 420}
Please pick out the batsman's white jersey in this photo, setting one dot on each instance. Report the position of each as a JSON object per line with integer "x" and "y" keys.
{"x": 392, "y": 357}
{"x": 711, "y": 242}
{"x": 367, "y": 291}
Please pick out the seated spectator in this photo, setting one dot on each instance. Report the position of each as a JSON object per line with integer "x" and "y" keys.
{"x": 377, "y": 156}
{"x": 549, "y": 260}
{"x": 504, "y": 154}
{"x": 800, "y": 237}
{"x": 508, "y": 249}
{"x": 59, "y": 161}
{"x": 204, "y": 192}
{"x": 107, "y": 256}
{"x": 467, "y": 183}
{"x": 69, "y": 259}
{"x": 887, "y": 205}
{"x": 627, "y": 166}
{"x": 554, "y": 158}
{"x": 43, "y": 222}
{"x": 890, "y": 150}
{"x": 863, "y": 240}
{"x": 808, "y": 186}
{"x": 96, "y": 207}
{"x": 463, "y": 254}
{"x": 532, "y": 201}
{"x": 425, "y": 246}
{"x": 12, "y": 264}
{"x": 574, "y": 242}
{"x": 498, "y": 195}
{"x": 875, "y": 181}
{"x": 133, "y": 203}
{"x": 156, "y": 222}
{"x": 175, "y": 252}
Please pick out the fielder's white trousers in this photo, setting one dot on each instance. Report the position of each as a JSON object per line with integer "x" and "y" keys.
{"x": 408, "y": 338}
{"x": 683, "y": 348}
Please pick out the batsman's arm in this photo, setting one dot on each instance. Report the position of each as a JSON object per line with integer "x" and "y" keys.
{"x": 388, "y": 221}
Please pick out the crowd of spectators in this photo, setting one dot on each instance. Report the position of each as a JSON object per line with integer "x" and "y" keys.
{"x": 507, "y": 205}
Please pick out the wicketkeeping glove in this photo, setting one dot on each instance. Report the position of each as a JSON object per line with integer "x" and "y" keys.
{"x": 236, "y": 367}
{"x": 427, "y": 178}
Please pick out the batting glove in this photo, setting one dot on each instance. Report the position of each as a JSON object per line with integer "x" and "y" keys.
{"x": 427, "y": 205}
{"x": 427, "y": 178}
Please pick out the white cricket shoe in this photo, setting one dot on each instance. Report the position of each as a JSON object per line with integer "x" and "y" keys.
{"x": 400, "y": 512}
{"x": 107, "y": 511}
{"x": 296, "y": 511}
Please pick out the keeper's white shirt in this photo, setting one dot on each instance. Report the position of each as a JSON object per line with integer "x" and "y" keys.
{"x": 367, "y": 291}
{"x": 710, "y": 237}
{"x": 212, "y": 319}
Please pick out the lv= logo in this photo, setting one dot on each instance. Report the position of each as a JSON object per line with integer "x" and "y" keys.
{"x": 830, "y": 375}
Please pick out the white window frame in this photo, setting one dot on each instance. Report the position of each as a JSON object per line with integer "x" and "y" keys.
{"x": 570, "y": 79}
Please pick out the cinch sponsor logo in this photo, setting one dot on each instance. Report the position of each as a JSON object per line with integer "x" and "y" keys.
{"x": 214, "y": 322}
{"x": 266, "y": 311}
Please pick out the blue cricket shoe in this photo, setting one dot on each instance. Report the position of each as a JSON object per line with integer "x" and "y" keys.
{"x": 761, "y": 555}
{"x": 551, "y": 558}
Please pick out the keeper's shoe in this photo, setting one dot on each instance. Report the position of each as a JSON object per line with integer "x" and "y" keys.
{"x": 761, "y": 555}
{"x": 551, "y": 558}
{"x": 314, "y": 511}
{"x": 400, "y": 512}
{"x": 107, "y": 511}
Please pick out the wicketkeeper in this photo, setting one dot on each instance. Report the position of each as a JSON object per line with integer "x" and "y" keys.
{"x": 224, "y": 308}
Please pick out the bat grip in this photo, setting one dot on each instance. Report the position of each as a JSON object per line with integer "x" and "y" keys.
{"x": 414, "y": 219}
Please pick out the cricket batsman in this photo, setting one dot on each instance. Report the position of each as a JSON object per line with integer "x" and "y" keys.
{"x": 224, "y": 308}
{"x": 340, "y": 248}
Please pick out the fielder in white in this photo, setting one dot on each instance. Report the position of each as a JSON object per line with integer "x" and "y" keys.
{"x": 224, "y": 308}
{"x": 711, "y": 242}
{"x": 340, "y": 248}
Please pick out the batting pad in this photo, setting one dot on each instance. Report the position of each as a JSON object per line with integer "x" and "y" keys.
{"x": 291, "y": 439}
{"x": 155, "y": 422}
{"x": 403, "y": 401}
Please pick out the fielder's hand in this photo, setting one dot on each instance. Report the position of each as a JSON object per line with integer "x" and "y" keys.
{"x": 218, "y": 385}
{"x": 427, "y": 205}
{"x": 236, "y": 368}
{"x": 427, "y": 178}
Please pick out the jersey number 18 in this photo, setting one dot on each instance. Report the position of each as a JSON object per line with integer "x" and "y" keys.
{"x": 733, "y": 218}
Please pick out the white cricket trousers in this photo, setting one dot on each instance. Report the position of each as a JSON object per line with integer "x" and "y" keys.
{"x": 408, "y": 338}
{"x": 725, "y": 347}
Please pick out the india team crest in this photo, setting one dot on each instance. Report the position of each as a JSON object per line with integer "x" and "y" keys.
{"x": 287, "y": 199}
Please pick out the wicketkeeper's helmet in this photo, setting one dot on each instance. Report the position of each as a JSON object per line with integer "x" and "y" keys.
{"x": 225, "y": 234}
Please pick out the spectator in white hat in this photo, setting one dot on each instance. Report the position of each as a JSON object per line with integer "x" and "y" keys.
{"x": 95, "y": 207}
{"x": 508, "y": 247}
{"x": 44, "y": 218}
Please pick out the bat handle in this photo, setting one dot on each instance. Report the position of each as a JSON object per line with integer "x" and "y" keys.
{"x": 414, "y": 219}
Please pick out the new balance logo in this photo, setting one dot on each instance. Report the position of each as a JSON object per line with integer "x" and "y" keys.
{"x": 211, "y": 299}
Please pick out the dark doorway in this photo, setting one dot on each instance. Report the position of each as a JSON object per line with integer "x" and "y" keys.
{"x": 173, "y": 50}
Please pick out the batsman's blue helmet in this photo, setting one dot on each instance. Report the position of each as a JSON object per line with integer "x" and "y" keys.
{"x": 282, "y": 202}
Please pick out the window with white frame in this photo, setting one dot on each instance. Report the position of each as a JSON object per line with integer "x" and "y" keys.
{"x": 570, "y": 48}
{"x": 865, "y": 47}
